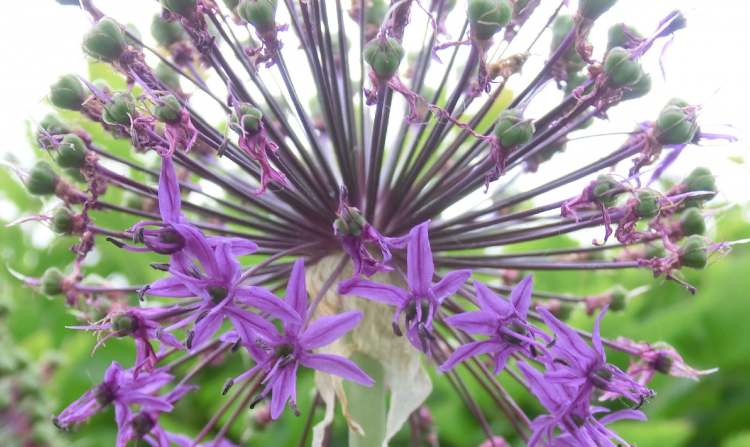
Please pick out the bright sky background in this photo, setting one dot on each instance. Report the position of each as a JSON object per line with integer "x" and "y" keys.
{"x": 706, "y": 64}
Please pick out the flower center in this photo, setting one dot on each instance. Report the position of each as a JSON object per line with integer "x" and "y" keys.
{"x": 124, "y": 324}
{"x": 218, "y": 293}
{"x": 284, "y": 350}
{"x": 411, "y": 310}
{"x": 104, "y": 394}
{"x": 516, "y": 328}
{"x": 142, "y": 424}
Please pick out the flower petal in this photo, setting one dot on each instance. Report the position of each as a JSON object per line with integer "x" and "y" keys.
{"x": 296, "y": 290}
{"x": 419, "y": 265}
{"x": 169, "y": 192}
{"x": 338, "y": 366}
{"x": 326, "y": 330}
{"x": 475, "y": 322}
{"x": 383, "y": 293}
{"x": 170, "y": 286}
{"x": 468, "y": 350}
{"x": 596, "y": 336}
{"x": 240, "y": 246}
{"x": 450, "y": 283}
{"x": 520, "y": 297}
{"x": 284, "y": 389}
{"x": 266, "y": 301}
{"x": 491, "y": 302}
{"x": 567, "y": 341}
{"x": 206, "y": 327}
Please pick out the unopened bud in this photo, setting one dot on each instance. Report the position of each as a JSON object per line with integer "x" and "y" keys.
{"x": 592, "y": 9}
{"x": 350, "y": 222}
{"x": 384, "y": 56}
{"x": 487, "y": 17}
{"x": 248, "y": 118}
{"x": 700, "y": 179}
{"x": 166, "y": 32}
{"x": 617, "y": 299}
{"x": 692, "y": 222}
{"x": 693, "y": 253}
{"x": 63, "y": 221}
{"x": 105, "y": 40}
{"x": 168, "y": 76}
{"x": 119, "y": 109}
{"x": 512, "y": 130}
{"x": 604, "y": 190}
{"x": 639, "y": 89}
{"x": 621, "y": 69}
{"x": 51, "y": 124}
{"x": 72, "y": 152}
{"x": 622, "y": 35}
{"x": 261, "y": 14}
{"x": 68, "y": 93}
{"x": 168, "y": 109}
{"x": 182, "y": 7}
{"x": 648, "y": 204}
{"x": 676, "y": 125}
{"x": 42, "y": 179}
{"x": 51, "y": 282}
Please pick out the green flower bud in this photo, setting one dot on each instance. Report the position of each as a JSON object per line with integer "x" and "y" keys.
{"x": 648, "y": 204}
{"x": 617, "y": 299}
{"x": 168, "y": 76}
{"x": 693, "y": 253}
{"x": 68, "y": 93}
{"x": 42, "y": 179}
{"x": 675, "y": 125}
{"x": 620, "y": 68}
{"x": 375, "y": 12}
{"x": 692, "y": 222}
{"x": 603, "y": 190}
{"x": 261, "y": 14}
{"x": 124, "y": 324}
{"x": 512, "y": 130}
{"x": 75, "y": 174}
{"x": 248, "y": 119}
{"x": 51, "y": 282}
{"x": 592, "y": 9}
{"x": 350, "y": 222}
{"x": 231, "y": 4}
{"x": 181, "y": 7}
{"x": 166, "y": 32}
{"x": 384, "y": 56}
{"x": 560, "y": 28}
{"x": 562, "y": 310}
{"x": 700, "y": 179}
{"x": 620, "y": 35}
{"x": 53, "y": 125}
{"x": 72, "y": 152}
{"x": 63, "y": 221}
{"x": 487, "y": 17}
{"x": 655, "y": 251}
{"x": 574, "y": 80}
{"x": 677, "y": 102}
{"x": 639, "y": 89}
{"x": 119, "y": 109}
{"x": 168, "y": 109}
{"x": 105, "y": 40}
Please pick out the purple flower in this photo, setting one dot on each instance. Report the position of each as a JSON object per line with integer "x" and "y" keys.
{"x": 145, "y": 423}
{"x": 215, "y": 276}
{"x": 575, "y": 419}
{"x": 121, "y": 389}
{"x": 422, "y": 300}
{"x": 577, "y": 366}
{"x": 502, "y": 322}
{"x": 283, "y": 353}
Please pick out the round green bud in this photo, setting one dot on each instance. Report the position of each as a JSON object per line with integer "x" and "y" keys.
{"x": 251, "y": 119}
{"x": 675, "y": 125}
{"x": 592, "y": 9}
{"x": 63, "y": 221}
{"x": 654, "y": 251}
{"x": 166, "y": 32}
{"x": 487, "y": 17}
{"x": 560, "y": 28}
{"x": 168, "y": 76}
{"x": 384, "y": 56}
{"x": 53, "y": 125}
{"x": 648, "y": 204}
{"x": 105, "y": 40}
{"x": 700, "y": 179}
{"x": 231, "y": 4}
{"x": 692, "y": 222}
{"x": 168, "y": 109}
{"x": 563, "y": 310}
{"x": 124, "y": 324}
{"x": 512, "y": 130}
{"x": 375, "y": 12}
{"x": 620, "y": 68}
{"x": 181, "y": 7}
{"x": 574, "y": 80}
{"x": 75, "y": 174}
{"x": 639, "y": 89}
{"x": 119, "y": 109}
{"x": 261, "y": 14}
{"x": 603, "y": 190}
{"x": 68, "y": 93}
{"x": 693, "y": 253}
{"x": 350, "y": 223}
{"x": 42, "y": 179}
{"x": 72, "y": 152}
{"x": 51, "y": 282}
{"x": 677, "y": 102}
{"x": 621, "y": 35}
{"x": 617, "y": 299}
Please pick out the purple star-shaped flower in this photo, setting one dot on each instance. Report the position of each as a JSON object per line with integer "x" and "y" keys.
{"x": 576, "y": 421}
{"x": 576, "y": 365}
{"x": 502, "y": 322}
{"x": 215, "y": 276}
{"x": 145, "y": 423}
{"x": 283, "y": 353}
{"x": 421, "y": 302}
{"x": 121, "y": 389}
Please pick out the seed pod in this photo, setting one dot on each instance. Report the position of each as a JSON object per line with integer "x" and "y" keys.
{"x": 487, "y": 17}
{"x": 42, "y": 179}
{"x": 51, "y": 282}
{"x": 374, "y": 12}
{"x": 62, "y": 221}
{"x": 119, "y": 109}
{"x": 620, "y": 68}
{"x": 182, "y": 7}
{"x": 350, "y": 222}
{"x": 53, "y": 125}
{"x": 700, "y": 179}
{"x": 592, "y": 9}
{"x": 105, "y": 40}
{"x": 166, "y": 32}
{"x": 604, "y": 190}
{"x": 654, "y": 251}
{"x": 168, "y": 76}
{"x": 261, "y": 14}
{"x": 693, "y": 253}
{"x": 124, "y": 324}
{"x": 692, "y": 222}
{"x": 574, "y": 80}
{"x": 622, "y": 35}
{"x": 617, "y": 299}
{"x": 384, "y": 56}
{"x": 72, "y": 152}
{"x": 639, "y": 89}
{"x": 512, "y": 130}
{"x": 648, "y": 204}
{"x": 168, "y": 109}
{"x": 560, "y": 28}
{"x": 67, "y": 93}
{"x": 675, "y": 125}
{"x": 247, "y": 118}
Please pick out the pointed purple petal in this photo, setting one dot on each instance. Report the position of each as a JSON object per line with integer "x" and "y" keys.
{"x": 596, "y": 337}
{"x": 338, "y": 366}
{"x": 326, "y": 330}
{"x": 420, "y": 267}
{"x": 476, "y": 322}
{"x": 240, "y": 246}
{"x": 491, "y": 302}
{"x": 520, "y": 297}
{"x": 567, "y": 341}
{"x": 169, "y": 192}
{"x": 266, "y": 301}
{"x": 284, "y": 388}
{"x": 383, "y": 293}
{"x": 450, "y": 283}
{"x": 169, "y": 287}
{"x": 623, "y": 414}
{"x": 467, "y": 351}
{"x": 206, "y": 327}
{"x": 296, "y": 291}
{"x": 248, "y": 324}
